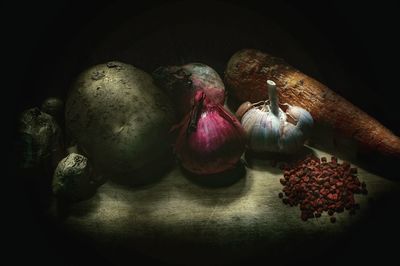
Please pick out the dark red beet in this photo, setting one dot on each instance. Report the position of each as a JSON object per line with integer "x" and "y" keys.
{"x": 181, "y": 83}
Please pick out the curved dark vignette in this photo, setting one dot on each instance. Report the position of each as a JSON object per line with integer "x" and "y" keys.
{"x": 47, "y": 45}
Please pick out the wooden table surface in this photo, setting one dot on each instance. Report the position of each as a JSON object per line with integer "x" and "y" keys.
{"x": 179, "y": 220}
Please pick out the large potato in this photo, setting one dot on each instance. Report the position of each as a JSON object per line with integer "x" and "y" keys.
{"x": 119, "y": 118}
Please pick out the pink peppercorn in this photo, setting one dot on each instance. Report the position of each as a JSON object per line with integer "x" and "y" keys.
{"x": 317, "y": 186}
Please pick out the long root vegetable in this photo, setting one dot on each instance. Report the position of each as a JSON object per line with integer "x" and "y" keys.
{"x": 246, "y": 78}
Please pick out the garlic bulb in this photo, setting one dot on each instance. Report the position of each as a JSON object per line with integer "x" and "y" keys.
{"x": 269, "y": 128}
{"x": 262, "y": 128}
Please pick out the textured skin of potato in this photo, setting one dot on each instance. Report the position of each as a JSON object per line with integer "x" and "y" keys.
{"x": 40, "y": 138}
{"x": 72, "y": 178}
{"x": 119, "y": 118}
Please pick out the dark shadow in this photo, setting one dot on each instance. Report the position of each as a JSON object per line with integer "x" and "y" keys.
{"x": 219, "y": 180}
{"x": 373, "y": 234}
{"x": 386, "y": 167}
{"x": 61, "y": 209}
{"x": 274, "y": 162}
{"x": 97, "y": 178}
{"x": 217, "y": 189}
{"x": 232, "y": 103}
{"x": 36, "y": 183}
{"x": 65, "y": 207}
{"x": 324, "y": 138}
{"x": 151, "y": 173}
{"x": 126, "y": 193}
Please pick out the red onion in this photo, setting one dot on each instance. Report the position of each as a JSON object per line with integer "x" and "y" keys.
{"x": 211, "y": 140}
{"x": 181, "y": 83}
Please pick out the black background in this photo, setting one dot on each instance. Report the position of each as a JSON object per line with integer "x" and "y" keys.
{"x": 353, "y": 49}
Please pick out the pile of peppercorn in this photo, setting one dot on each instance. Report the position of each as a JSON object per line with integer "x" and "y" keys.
{"x": 317, "y": 186}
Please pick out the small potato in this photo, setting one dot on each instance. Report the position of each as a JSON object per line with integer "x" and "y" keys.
{"x": 40, "y": 139}
{"x": 72, "y": 178}
{"x": 54, "y": 107}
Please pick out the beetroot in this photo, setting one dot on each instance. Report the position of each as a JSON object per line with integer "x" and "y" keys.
{"x": 181, "y": 83}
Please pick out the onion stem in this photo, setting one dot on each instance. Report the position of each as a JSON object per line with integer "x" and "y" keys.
{"x": 197, "y": 108}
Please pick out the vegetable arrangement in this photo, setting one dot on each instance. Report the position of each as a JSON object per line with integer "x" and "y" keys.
{"x": 119, "y": 120}
{"x": 248, "y": 71}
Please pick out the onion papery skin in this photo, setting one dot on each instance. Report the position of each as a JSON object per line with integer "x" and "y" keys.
{"x": 215, "y": 146}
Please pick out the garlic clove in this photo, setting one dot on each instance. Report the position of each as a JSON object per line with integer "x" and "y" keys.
{"x": 282, "y": 116}
{"x": 304, "y": 119}
{"x": 262, "y": 129}
{"x": 291, "y": 138}
{"x": 243, "y": 108}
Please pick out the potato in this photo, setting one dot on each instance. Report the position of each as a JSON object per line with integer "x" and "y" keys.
{"x": 119, "y": 119}
{"x": 54, "y": 107}
{"x": 40, "y": 139}
{"x": 72, "y": 178}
